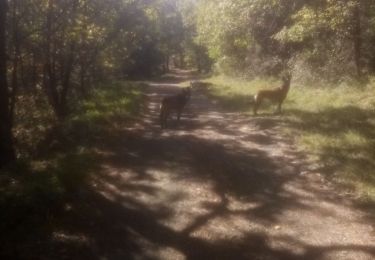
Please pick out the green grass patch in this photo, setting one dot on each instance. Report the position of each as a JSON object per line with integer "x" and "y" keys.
{"x": 334, "y": 125}
{"x": 236, "y": 94}
{"x": 115, "y": 101}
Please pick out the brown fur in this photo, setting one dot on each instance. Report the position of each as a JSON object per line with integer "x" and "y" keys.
{"x": 174, "y": 103}
{"x": 276, "y": 95}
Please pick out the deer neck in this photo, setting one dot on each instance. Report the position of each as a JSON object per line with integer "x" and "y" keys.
{"x": 285, "y": 87}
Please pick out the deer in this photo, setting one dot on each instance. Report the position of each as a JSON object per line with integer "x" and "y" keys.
{"x": 174, "y": 103}
{"x": 276, "y": 95}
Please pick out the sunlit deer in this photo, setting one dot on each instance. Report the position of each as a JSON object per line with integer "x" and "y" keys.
{"x": 276, "y": 95}
{"x": 174, "y": 103}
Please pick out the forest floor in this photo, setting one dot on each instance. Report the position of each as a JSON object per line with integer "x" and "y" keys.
{"x": 218, "y": 185}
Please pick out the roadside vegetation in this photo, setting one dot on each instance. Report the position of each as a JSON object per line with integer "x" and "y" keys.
{"x": 333, "y": 125}
{"x": 68, "y": 73}
{"x": 57, "y": 161}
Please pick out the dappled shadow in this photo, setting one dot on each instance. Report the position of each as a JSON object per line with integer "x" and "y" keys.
{"x": 332, "y": 121}
{"x": 354, "y": 128}
{"x": 352, "y": 125}
{"x": 116, "y": 231}
{"x": 219, "y": 185}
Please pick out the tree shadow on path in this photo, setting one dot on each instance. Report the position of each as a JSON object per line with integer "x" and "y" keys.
{"x": 217, "y": 186}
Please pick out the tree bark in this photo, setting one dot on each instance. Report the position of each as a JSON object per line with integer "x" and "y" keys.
{"x": 16, "y": 54}
{"x": 7, "y": 154}
{"x": 357, "y": 39}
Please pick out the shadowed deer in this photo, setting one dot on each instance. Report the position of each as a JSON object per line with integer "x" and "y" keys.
{"x": 174, "y": 103}
{"x": 276, "y": 95}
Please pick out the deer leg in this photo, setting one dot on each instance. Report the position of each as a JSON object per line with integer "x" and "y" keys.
{"x": 278, "y": 111}
{"x": 161, "y": 117}
{"x": 164, "y": 118}
{"x": 256, "y": 106}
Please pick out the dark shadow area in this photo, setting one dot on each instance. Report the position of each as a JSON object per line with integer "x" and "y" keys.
{"x": 142, "y": 181}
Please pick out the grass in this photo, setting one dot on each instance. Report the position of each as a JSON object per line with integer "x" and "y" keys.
{"x": 120, "y": 100}
{"x": 35, "y": 189}
{"x": 334, "y": 125}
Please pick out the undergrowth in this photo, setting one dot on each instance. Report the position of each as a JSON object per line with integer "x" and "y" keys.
{"x": 56, "y": 160}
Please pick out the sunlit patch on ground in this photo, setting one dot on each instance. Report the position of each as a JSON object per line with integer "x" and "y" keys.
{"x": 152, "y": 251}
{"x": 64, "y": 237}
{"x": 226, "y": 227}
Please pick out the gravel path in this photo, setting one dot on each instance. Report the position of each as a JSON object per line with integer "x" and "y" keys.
{"x": 216, "y": 186}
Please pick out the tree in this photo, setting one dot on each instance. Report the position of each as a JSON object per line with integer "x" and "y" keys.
{"x": 330, "y": 39}
{"x": 239, "y": 34}
{"x": 6, "y": 141}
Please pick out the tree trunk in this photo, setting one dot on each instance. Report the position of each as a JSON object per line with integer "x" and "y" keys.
{"x": 66, "y": 78}
{"x": 198, "y": 61}
{"x": 167, "y": 62}
{"x": 50, "y": 78}
{"x": 16, "y": 54}
{"x": 182, "y": 59}
{"x": 82, "y": 79}
{"x": 357, "y": 39}
{"x": 6, "y": 140}
{"x": 14, "y": 87}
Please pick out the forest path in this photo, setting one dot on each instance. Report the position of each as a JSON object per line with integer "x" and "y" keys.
{"x": 216, "y": 186}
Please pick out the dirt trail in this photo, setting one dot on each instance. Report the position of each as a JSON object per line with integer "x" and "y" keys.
{"x": 217, "y": 186}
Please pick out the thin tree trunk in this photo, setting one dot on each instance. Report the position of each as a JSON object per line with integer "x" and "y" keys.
{"x": 50, "y": 81}
{"x": 357, "y": 39}
{"x": 14, "y": 91}
{"x": 66, "y": 82}
{"x": 182, "y": 60}
{"x": 167, "y": 62}
{"x": 6, "y": 140}
{"x": 198, "y": 60}
{"x": 16, "y": 54}
{"x": 82, "y": 79}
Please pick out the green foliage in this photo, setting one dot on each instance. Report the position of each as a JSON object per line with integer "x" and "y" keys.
{"x": 34, "y": 193}
{"x": 331, "y": 39}
{"x": 73, "y": 169}
{"x": 65, "y": 47}
{"x": 238, "y": 34}
{"x": 108, "y": 101}
{"x": 26, "y": 192}
{"x": 37, "y": 131}
{"x": 33, "y": 120}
